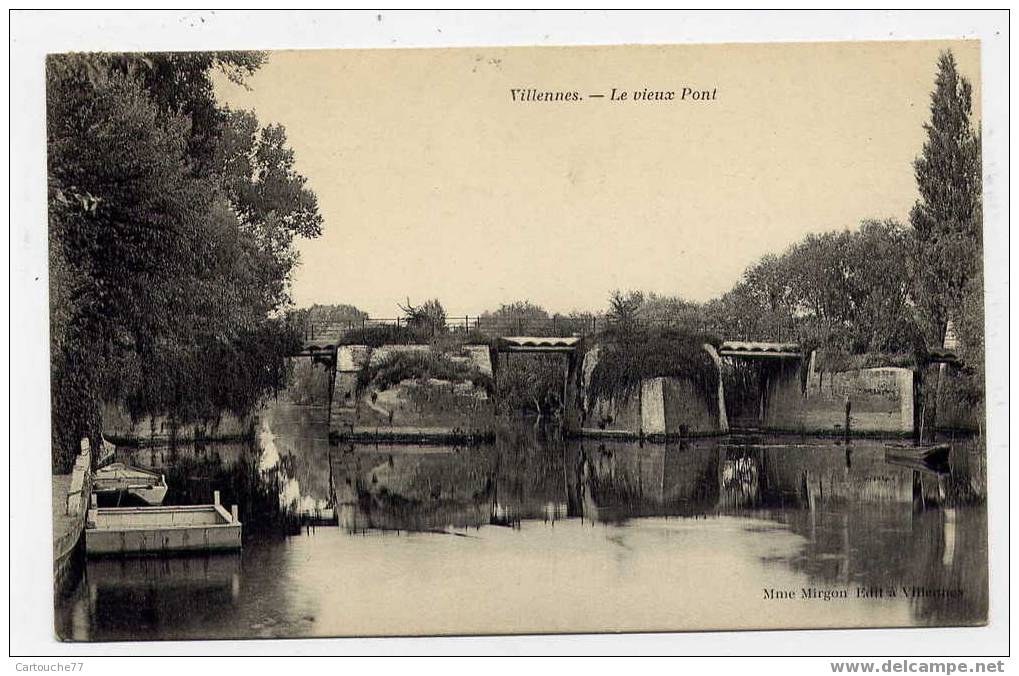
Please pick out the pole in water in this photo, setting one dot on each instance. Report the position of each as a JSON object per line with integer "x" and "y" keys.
{"x": 849, "y": 408}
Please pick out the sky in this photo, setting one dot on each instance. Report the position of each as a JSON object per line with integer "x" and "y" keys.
{"x": 434, "y": 182}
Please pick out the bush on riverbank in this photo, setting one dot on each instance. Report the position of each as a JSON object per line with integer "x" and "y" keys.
{"x": 531, "y": 384}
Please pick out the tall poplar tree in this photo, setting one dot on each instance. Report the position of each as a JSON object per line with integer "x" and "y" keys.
{"x": 947, "y": 217}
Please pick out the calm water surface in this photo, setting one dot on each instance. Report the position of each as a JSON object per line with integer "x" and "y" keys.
{"x": 538, "y": 534}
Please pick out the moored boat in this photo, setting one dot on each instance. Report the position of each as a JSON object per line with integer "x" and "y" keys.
{"x": 138, "y": 531}
{"x": 119, "y": 484}
{"x": 929, "y": 454}
{"x": 106, "y": 453}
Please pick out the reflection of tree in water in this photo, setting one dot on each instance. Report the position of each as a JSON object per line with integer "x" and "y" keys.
{"x": 951, "y": 553}
{"x": 193, "y": 472}
{"x": 891, "y": 546}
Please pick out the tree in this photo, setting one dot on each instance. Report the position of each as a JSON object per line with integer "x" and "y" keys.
{"x": 845, "y": 291}
{"x": 122, "y": 206}
{"x": 659, "y": 310}
{"x": 623, "y": 308}
{"x": 170, "y": 241}
{"x": 181, "y": 82}
{"x": 514, "y": 318}
{"x": 884, "y": 317}
{"x": 759, "y": 307}
{"x": 946, "y": 220}
{"x": 326, "y": 317}
{"x": 427, "y": 319}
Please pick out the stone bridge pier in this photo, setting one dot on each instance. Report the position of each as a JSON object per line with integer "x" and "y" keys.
{"x": 797, "y": 395}
{"x": 573, "y": 349}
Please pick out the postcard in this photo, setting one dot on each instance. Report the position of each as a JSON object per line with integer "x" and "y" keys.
{"x": 517, "y": 340}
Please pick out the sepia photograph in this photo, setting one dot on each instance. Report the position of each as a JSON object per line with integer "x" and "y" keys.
{"x": 516, "y": 340}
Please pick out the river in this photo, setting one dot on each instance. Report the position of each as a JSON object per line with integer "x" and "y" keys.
{"x": 539, "y": 534}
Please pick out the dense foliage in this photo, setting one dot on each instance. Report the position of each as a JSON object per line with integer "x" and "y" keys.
{"x": 843, "y": 291}
{"x": 531, "y": 383}
{"x": 330, "y": 315}
{"x": 524, "y": 318}
{"x": 420, "y": 365}
{"x": 629, "y": 354}
{"x": 947, "y": 260}
{"x": 171, "y": 228}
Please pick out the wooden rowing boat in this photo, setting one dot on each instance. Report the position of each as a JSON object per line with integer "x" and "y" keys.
{"x": 106, "y": 453}
{"x": 119, "y": 484}
{"x": 929, "y": 454}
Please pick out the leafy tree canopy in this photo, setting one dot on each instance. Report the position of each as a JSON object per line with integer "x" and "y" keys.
{"x": 172, "y": 221}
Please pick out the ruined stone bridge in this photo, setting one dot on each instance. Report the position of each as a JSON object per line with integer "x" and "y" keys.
{"x": 793, "y": 394}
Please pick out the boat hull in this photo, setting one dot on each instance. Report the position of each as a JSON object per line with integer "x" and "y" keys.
{"x": 929, "y": 455}
{"x": 120, "y": 485}
{"x": 139, "y": 531}
{"x": 132, "y": 497}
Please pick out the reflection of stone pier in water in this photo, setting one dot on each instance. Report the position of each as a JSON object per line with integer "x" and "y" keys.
{"x": 392, "y": 487}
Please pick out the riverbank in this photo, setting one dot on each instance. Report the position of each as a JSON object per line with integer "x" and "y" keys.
{"x": 67, "y": 535}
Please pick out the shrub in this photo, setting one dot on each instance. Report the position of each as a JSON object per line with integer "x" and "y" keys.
{"x": 420, "y": 365}
{"x": 630, "y": 354}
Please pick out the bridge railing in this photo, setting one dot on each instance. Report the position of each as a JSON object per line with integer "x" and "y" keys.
{"x": 332, "y": 332}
